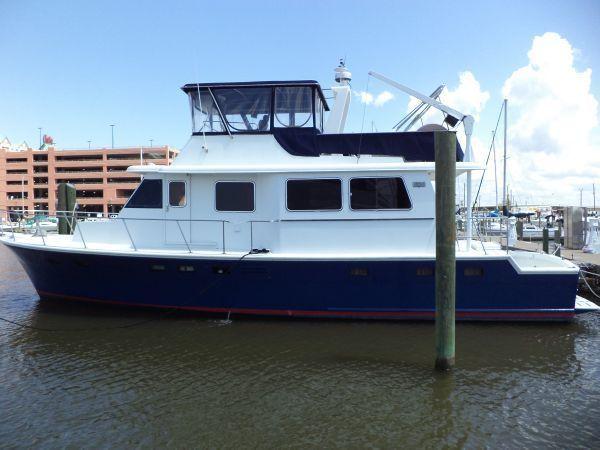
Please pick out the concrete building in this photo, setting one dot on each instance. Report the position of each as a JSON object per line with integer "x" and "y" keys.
{"x": 29, "y": 177}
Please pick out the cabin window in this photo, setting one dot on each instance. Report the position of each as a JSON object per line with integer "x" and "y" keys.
{"x": 314, "y": 195}
{"x": 177, "y": 193}
{"x": 318, "y": 111}
{"x": 245, "y": 110}
{"x": 147, "y": 195}
{"x": 294, "y": 107}
{"x": 378, "y": 193}
{"x": 205, "y": 115}
{"x": 234, "y": 196}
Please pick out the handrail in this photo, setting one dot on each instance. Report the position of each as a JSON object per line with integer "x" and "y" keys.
{"x": 183, "y": 236}
{"x": 129, "y": 234}
{"x": 37, "y": 222}
{"x": 80, "y": 234}
{"x": 185, "y": 239}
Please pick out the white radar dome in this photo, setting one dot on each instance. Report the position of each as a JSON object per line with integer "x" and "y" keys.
{"x": 432, "y": 127}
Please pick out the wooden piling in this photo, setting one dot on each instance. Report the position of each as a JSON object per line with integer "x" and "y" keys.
{"x": 66, "y": 207}
{"x": 445, "y": 256}
{"x": 545, "y": 240}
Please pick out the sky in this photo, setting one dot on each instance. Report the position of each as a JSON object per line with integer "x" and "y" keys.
{"x": 74, "y": 68}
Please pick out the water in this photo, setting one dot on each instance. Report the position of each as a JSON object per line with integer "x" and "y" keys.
{"x": 192, "y": 381}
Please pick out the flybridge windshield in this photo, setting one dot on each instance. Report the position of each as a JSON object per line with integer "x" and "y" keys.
{"x": 255, "y": 109}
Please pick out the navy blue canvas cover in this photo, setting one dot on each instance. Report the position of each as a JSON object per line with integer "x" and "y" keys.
{"x": 412, "y": 146}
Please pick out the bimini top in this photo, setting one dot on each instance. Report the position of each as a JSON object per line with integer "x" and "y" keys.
{"x": 191, "y": 87}
{"x": 255, "y": 107}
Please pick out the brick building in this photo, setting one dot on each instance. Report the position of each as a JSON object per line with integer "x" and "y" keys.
{"x": 29, "y": 177}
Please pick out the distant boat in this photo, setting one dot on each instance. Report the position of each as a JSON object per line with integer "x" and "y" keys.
{"x": 31, "y": 225}
{"x": 534, "y": 232}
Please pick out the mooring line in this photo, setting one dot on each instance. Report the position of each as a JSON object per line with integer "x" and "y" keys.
{"x": 589, "y": 273}
{"x": 589, "y": 287}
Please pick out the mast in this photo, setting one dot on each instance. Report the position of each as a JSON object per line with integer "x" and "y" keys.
{"x": 495, "y": 171}
{"x": 504, "y": 193}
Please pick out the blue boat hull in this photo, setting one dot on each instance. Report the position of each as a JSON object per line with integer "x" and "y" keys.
{"x": 393, "y": 289}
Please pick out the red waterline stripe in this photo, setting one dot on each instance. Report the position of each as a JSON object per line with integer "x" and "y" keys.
{"x": 325, "y": 313}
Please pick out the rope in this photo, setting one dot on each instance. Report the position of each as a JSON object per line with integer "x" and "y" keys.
{"x": 133, "y": 324}
{"x": 589, "y": 287}
{"x": 589, "y": 273}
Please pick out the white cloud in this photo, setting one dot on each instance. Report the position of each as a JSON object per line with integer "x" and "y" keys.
{"x": 553, "y": 136}
{"x": 552, "y": 120}
{"x": 364, "y": 97}
{"x": 381, "y": 99}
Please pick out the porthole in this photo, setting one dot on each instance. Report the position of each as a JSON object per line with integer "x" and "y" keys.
{"x": 359, "y": 272}
{"x": 473, "y": 271}
{"x": 425, "y": 271}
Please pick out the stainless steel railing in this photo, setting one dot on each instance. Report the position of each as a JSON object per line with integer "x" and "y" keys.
{"x": 15, "y": 218}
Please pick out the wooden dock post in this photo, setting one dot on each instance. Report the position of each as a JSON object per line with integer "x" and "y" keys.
{"x": 445, "y": 250}
{"x": 545, "y": 240}
{"x": 66, "y": 205}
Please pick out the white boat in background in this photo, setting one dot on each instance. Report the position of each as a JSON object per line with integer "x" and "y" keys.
{"x": 30, "y": 225}
{"x": 532, "y": 232}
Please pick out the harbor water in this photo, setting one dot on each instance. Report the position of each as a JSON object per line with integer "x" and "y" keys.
{"x": 90, "y": 376}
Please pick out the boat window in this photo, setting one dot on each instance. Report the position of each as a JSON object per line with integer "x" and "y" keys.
{"x": 177, "y": 193}
{"x": 147, "y": 195}
{"x": 318, "y": 111}
{"x": 314, "y": 195}
{"x": 378, "y": 193}
{"x": 205, "y": 115}
{"x": 245, "y": 109}
{"x": 234, "y": 196}
{"x": 293, "y": 107}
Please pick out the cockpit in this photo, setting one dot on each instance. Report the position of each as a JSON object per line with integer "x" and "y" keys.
{"x": 259, "y": 107}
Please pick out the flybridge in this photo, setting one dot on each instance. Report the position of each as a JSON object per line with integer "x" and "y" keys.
{"x": 255, "y": 107}
{"x": 293, "y": 112}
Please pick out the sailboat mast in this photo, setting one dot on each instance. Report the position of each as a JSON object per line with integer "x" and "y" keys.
{"x": 504, "y": 193}
{"x": 495, "y": 170}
